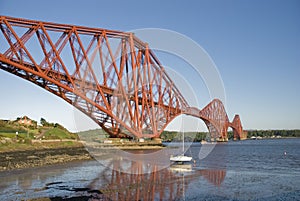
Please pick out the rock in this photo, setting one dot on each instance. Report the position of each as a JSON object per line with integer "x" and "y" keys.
{"x": 32, "y": 157}
{"x": 8, "y": 158}
{"x": 7, "y": 139}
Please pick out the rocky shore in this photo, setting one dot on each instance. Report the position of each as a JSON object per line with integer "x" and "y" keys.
{"x": 41, "y": 157}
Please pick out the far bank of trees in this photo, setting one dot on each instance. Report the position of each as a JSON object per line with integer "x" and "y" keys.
{"x": 198, "y": 136}
{"x": 169, "y": 136}
{"x": 274, "y": 133}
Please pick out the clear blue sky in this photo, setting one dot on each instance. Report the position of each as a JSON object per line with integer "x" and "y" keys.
{"x": 254, "y": 44}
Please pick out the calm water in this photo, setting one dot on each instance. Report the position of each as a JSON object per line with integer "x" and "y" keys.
{"x": 244, "y": 170}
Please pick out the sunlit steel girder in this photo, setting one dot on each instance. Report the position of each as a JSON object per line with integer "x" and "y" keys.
{"x": 216, "y": 120}
{"x": 111, "y": 76}
{"x": 237, "y": 128}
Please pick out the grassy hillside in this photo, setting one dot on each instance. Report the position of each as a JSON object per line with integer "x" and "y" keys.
{"x": 93, "y": 135}
{"x": 58, "y": 133}
{"x": 15, "y": 135}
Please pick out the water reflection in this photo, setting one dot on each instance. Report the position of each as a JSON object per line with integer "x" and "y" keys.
{"x": 121, "y": 177}
{"x": 130, "y": 182}
{"x": 253, "y": 170}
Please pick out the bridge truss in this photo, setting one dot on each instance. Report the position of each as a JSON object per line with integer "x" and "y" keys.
{"x": 111, "y": 76}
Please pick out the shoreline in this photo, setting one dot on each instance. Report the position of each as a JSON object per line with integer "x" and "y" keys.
{"x": 38, "y": 156}
{"x": 13, "y": 160}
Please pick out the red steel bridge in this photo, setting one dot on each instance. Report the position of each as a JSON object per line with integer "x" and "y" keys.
{"x": 111, "y": 76}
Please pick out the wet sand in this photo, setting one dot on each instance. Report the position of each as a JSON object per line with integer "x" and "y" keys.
{"x": 36, "y": 158}
{"x": 12, "y": 160}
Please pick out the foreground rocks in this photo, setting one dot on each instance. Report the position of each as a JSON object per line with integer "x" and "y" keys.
{"x": 35, "y": 158}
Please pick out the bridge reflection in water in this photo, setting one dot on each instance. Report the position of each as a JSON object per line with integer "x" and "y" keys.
{"x": 135, "y": 180}
{"x": 129, "y": 175}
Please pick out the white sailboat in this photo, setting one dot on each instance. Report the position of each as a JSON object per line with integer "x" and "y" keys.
{"x": 181, "y": 158}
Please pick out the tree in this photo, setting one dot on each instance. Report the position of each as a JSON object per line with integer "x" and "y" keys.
{"x": 44, "y": 122}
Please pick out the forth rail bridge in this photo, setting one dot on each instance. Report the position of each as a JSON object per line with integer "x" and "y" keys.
{"x": 111, "y": 76}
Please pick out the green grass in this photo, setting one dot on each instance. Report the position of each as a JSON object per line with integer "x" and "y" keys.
{"x": 8, "y": 147}
{"x": 58, "y": 133}
{"x": 26, "y": 134}
{"x": 50, "y": 133}
{"x": 13, "y": 135}
{"x": 8, "y": 135}
{"x": 29, "y": 135}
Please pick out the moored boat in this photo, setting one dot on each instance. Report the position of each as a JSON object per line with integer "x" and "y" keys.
{"x": 181, "y": 158}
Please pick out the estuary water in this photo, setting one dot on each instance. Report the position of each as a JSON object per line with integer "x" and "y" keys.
{"x": 242, "y": 170}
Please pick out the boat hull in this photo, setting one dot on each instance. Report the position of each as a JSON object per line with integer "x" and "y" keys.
{"x": 181, "y": 158}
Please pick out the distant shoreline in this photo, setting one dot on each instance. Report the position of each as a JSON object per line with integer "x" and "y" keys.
{"x": 269, "y": 138}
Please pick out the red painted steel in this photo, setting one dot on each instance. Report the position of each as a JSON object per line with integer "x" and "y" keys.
{"x": 164, "y": 184}
{"x": 111, "y": 76}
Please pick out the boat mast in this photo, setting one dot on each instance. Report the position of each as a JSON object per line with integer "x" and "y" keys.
{"x": 182, "y": 143}
{"x": 182, "y": 137}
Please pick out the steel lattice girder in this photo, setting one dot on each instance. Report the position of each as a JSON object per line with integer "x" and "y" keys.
{"x": 111, "y": 76}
